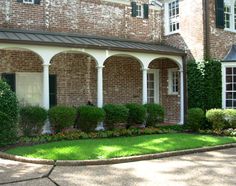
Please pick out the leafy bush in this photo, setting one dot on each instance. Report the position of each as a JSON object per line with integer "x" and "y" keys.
{"x": 8, "y": 100}
{"x": 89, "y": 116}
{"x": 8, "y": 130}
{"x": 32, "y": 119}
{"x": 195, "y": 118}
{"x": 137, "y": 114}
{"x": 217, "y": 118}
{"x": 155, "y": 114}
{"x": 230, "y": 117}
{"x": 201, "y": 76}
{"x": 115, "y": 114}
{"x": 62, "y": 117}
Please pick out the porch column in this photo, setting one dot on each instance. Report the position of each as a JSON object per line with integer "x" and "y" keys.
{"x": 145, "y": 85}
{"x": 181, "y": 96}
{"x": 100, "y": 125}
{"x": 46, "y": 103}
{"x": 100, "y": 86}
{"x": 46, "y": 86}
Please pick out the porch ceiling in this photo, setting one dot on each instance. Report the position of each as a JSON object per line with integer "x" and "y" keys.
{"x": 75, "y": 40}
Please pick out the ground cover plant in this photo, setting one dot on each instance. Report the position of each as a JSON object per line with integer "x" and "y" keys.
{"x": 119, "y": 147}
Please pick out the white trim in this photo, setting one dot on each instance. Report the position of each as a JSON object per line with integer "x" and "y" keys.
{"x": 141, "y": 11}
{"x": 156, "y": 73}
{"x": 27, "y": 2}
{"x": 170, "y": 81}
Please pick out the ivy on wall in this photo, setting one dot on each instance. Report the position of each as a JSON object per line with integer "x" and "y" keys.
{"x": 204, "y": 84}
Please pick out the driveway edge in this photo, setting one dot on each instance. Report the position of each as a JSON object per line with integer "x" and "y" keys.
{"x": 114, "y": 160}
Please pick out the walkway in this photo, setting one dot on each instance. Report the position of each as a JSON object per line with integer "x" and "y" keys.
{"x": 216, "y": 168}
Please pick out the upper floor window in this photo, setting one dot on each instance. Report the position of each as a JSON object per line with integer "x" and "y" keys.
{"x": 230, "y": 15}
{"x": 28, "y": 1}
{"x": 172, "y": 16}
{"x": 139, "y": 10}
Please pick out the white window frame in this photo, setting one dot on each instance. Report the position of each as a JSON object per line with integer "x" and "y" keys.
{"x": 232, "y": 5}
{"x": 28, "y": 2}
{"x": 170, "y": 81}
{"x": 156, "y": 73}
{"x": 167, "y": 19}
{"x": 141, "y": 10}
{"x": 224, "y": 84}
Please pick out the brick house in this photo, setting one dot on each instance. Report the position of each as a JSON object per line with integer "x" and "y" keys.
{"x": 109, "y": 51}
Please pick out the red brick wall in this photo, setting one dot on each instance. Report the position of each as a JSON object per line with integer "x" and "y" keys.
{"x": 90, "y": 17}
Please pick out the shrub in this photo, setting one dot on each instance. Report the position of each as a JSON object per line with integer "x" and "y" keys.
{"x": 8, "y": 130}
{"x": 217, "y": 118}
{"x": 32, "y": 119}
{"x": 155, "y": 114}
{"x": 230, "y": 117}
{"x": 8, "y": 100}
{"x": 62, "y": 117}
{"x": 195, "y": 118}
{"x": 115, "y": 114}
{"x": 137, "y": 114}
{"x": 89, "y": 116}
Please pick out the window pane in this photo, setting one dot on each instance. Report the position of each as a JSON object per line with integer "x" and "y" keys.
{"x": 229, "y": 87}
{"x": 228, "y": 70}
{"x": 229, "y": 79}
{"x": 229, "y": 103}
{"x": 229, "y": 95}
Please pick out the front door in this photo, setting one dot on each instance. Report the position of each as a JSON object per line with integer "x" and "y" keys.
{"x": 153, "y": 86}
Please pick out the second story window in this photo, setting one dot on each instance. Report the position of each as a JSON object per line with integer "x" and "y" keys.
{"x": 28, "y": 1}
{"x": 139, "y": 11}
{"x": 172, "y": 16}
{"x": 230, "y": 15}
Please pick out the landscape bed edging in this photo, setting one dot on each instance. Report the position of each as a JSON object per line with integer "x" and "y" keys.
{"x": 113, "y": 160}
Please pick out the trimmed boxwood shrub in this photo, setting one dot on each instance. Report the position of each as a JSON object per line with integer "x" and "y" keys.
{"x": 155, "y": 114}
{"x": 32, "y": 119}
{"x": 8, "y": 101}
{"x": 230, "y": 117}
{"x": 217, "y": 118}
{"x": 8, "y": 130}
{"x": 115, "y": 114}
{"x": 62, "y": 117}
{"x": 89, "y": 117}
{"x": 195, "y": 118}
{"x": 137, "y": 114}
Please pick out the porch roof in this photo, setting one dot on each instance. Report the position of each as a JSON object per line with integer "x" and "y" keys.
{"x": 75, "y": 40}
{"x": 231, "y": 56}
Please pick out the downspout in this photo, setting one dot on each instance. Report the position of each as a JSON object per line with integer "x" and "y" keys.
{"x": 184, "y": 60}
{"x": 205, "y": 5}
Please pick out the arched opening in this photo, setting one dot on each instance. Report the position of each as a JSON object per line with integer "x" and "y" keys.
{"x": 122, "y": 80}
{"x": 22, "y": 70}
{"x": 74, "y": 78}
{"x": 164, "y": 87}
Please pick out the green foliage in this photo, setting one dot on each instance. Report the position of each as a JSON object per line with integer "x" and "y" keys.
{"x": 155, "y": 114}
{"x": 115, "y": 114}
{"x": 137, "y": 114}
{"x": 32, "y": 119}
{"x": 8, "y": 130}
{"x": 8, "y": 101}
{"x": 230, "y": 116}
{"x": 217, "y": 118}
{"x": 195, "y": 118}
{"x": 204, "y": 84}
{"x": 89, "y": 116}
{"x": 62, "y": 117}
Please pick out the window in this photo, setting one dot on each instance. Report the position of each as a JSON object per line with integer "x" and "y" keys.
{"x": 139, "y": 11}
{"x": 230, "y": 15}
{"x": 28, "y": 1}
{"x": 172, "y": 16}
{"x": 153, "y": 86}
{"x": 173, "y": 81}
{"x": 230, "y": 89}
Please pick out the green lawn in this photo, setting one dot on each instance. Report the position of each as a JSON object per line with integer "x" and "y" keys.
{"x": 118, "y": 147}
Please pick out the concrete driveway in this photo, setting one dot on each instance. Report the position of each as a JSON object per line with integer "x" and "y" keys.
{"x": 209, "y": 168}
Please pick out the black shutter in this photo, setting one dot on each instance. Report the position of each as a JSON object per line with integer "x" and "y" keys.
{"x": 220, "y": 22}
{"x": 19, "y": 1}
{"x": 134, "y": 9}
{"x": 10, "y": 79}
{"x": 37, "y": 2}
{"x": 53, "y": 90}
{"x": 145, "y": 11}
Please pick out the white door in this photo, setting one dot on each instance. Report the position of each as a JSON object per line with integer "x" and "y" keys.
{"x": 153, "y": 86}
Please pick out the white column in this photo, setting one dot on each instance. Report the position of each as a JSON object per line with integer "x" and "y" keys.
{"x": 181, "y": 96}
{"x": 100, "y": 86}
{"x": 100, "y": 125}
{"x": 46, "y": 103}
{"x": 145, "y": 85}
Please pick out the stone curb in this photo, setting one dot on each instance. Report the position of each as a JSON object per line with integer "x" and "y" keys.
{"x": 113, "y": 160}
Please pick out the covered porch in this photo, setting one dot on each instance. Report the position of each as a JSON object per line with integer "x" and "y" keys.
{"x": 71, "y": 69}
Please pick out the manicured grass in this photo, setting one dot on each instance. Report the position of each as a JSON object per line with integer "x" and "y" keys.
{"x": 118, "y": 147}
